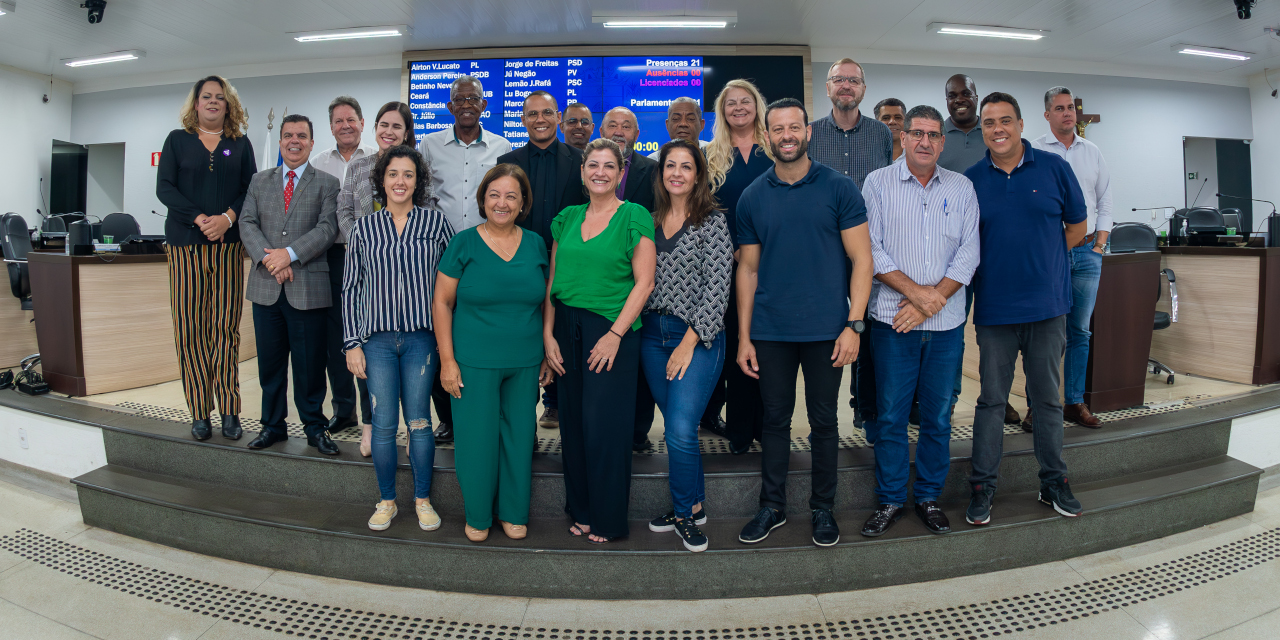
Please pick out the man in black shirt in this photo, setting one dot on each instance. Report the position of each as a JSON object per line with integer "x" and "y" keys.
{"x": 555, "y": 174}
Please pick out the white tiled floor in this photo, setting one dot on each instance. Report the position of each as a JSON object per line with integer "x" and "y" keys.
{"x": 39, "y": 602}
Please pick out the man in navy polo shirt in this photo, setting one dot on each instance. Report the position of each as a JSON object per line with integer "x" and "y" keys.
{"x": 797, "y": 309}
{"x": 1031, "y": 209}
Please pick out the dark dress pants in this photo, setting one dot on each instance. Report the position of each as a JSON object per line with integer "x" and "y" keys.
{"x": 744, "y": 410}
{"x": 596, "y": 414}
{"x": 283, "y": 334}
{"x": 645, "y": 407}
{"x": 779, "y": 364}
{"x": 344, "y": 386}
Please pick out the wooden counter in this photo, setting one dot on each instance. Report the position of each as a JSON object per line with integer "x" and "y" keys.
{"x": 104, "y": 324}
{"x": 1115, "y": 377}
{"x": 19, "y": 333}
{"x": 1228, "y": 314}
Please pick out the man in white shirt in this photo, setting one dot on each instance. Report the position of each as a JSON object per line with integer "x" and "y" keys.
{"x": 346, "y": 123}
{"x": 684, "y": 121}
{"x": 1086, "y": 257}
{"x": 462, "y": 154}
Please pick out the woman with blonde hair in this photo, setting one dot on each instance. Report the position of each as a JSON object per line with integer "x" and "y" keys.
{"x": 737, "y": 155}
{"x": 203, "y": 176}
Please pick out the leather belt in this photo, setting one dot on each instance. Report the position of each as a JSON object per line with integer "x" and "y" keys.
{"x": 1086, "y": 240}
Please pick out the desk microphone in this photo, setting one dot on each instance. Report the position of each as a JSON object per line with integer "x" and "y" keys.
{"x": 1272, "y": 220}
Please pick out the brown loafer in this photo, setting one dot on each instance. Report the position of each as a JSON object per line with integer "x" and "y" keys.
{"x": 514, "y": 531}
{"x": 1011, "y": 415}
{"x": 476, "y": 535}
{"x": 1080, "y": 414}
{"x": 1026, "y": 422}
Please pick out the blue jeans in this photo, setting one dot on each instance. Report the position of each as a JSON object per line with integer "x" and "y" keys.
{"x": 968, "y": 305}
{"x": 1086, "y": 269}
{"x": 682, "y": 401}
{"x": 401, "y": 368}
{"x": 916, "y": 364}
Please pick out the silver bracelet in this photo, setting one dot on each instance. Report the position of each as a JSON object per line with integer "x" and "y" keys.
{"x": 230, "y": 222}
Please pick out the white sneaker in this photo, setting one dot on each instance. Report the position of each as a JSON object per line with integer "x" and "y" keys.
{"x": 382, "y": 516}
{"x": 428, "y": 519}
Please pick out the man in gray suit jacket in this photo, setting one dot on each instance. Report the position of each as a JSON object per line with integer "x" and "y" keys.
{"x": 287, "y": 225}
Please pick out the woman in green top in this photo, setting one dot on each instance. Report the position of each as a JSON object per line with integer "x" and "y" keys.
{"x": 488, "y": 322}
{"x": 602, "y": 264}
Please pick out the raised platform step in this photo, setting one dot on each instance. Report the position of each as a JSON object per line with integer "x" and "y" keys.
{"x": 330, "y": 538}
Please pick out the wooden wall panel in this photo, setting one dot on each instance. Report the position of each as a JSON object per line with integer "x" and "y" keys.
{"x": 17, "y": 332}
{"x": 1217, "y": 327}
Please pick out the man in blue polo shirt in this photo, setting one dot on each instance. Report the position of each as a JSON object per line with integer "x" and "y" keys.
{"x": 797, "y": 309}
{"x": 1031, "y": 209}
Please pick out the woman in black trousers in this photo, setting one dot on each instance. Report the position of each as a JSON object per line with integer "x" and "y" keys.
{"x": 602, "y": 264}
{"x": 204, "y": 173}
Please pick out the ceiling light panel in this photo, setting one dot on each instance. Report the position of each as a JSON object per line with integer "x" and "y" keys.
{"x": 117, "y": 56}
{"x": 1212, "y": 52}
{"x": 6, "y": 7}
{"x": 658, "y": 20}
{"x": 986, "y": 31}
{"x": 354, "y": 33}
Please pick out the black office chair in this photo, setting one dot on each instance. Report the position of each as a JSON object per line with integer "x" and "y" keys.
{"x": 53, "y": 224}
{"x": 120, "y": 226}
{"x": 1204, "y": 217}
{"x": 1136, "y": 236}
{"x": 16, "y": 243}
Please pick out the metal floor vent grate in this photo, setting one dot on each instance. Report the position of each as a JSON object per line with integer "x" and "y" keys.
{"x": 1003, "y": 617}
{"x": 709, "y": 446}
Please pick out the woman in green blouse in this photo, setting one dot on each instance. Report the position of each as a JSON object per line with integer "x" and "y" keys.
{"x": 488, "y": 322}
{"x": 602, "y": 264}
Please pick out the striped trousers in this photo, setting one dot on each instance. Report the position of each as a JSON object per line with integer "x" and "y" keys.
{"x": 206, "y": 294}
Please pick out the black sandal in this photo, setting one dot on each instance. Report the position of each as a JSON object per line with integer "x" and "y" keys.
{"x": 606, "y": 540}
{"x": 577, "y": 531}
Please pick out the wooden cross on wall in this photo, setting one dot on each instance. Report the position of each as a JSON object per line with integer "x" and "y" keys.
{"x": 1084, "y": 119}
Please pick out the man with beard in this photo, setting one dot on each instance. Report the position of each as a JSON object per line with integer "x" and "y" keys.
{"x": 891, "y": 111}
{"x": 577, "y": 125}
{"x": 798, "y": 223}
{"x": 964, "y": 146}
{"x": 460, "y": 155}
{"x": 684, "y": 122}
{"x": 854, "y": 146}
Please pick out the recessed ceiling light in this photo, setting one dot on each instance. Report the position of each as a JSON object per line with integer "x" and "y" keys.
{"x": 118, "y": 56}
{"x": 1211, "y": 52}
{"x": 983, "y": 31}
{"x": 6, "y": 7}
{"x": 652, "y": 20}
{"x": 355, "y": 33}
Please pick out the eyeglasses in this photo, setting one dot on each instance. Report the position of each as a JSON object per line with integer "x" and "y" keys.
{"x": 839, "y": 80}
{"x": 918, "y": 135}
{"x": 546, "y": 113}
{"x": 573, "y": 122}
{"x": 471, "y": 100}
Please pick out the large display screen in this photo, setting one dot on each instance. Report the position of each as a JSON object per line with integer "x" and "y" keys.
{"x": 644, "y": 84}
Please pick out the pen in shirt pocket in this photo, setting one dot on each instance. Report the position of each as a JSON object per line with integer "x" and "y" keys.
{"x": 944, "y": 207}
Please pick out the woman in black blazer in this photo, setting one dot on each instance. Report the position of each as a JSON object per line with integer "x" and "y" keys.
{"x": 204, "y": 173}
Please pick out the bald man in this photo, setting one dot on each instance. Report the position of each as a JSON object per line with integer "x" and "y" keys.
{"x": 964, "y": 146}
{"x": 638, "y": 172}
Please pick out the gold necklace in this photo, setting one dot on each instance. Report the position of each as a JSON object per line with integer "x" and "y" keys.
{"x": 495, "y": 241}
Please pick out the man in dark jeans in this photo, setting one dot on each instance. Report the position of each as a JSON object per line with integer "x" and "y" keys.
{"x": 1031, "y": 210}
{"x": 796, "y": 225}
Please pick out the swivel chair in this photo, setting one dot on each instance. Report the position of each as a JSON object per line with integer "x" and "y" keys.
{"x": 1136, "y": 236}
{"x": 53, "y": 224}
{"x": 120, "y": 226}
{"x": 16, "y": 243}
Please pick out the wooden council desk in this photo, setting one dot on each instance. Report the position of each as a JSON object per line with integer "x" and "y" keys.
{"x": 1228, "y": 314}
{"x": 17, "y": 332}
{"x": 104, "y": 324}
{"x": 1122, "y": 326}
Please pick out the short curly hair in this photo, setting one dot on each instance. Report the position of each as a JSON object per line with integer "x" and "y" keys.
{"x": 422, "y": 174}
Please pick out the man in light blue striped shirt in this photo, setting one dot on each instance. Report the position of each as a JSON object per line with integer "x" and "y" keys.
{"x": 923, "y": 221}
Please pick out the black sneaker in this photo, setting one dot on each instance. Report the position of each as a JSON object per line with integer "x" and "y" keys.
{"x": 1057, "y": 494}
{"x": 881, "y": 520}
{"x": 979, "y": 511}
{"x": 765, "y": 521}
{"x": 825, "y": 531}
{"x": 665, "y": 523}
{"x": 692, "y": 537}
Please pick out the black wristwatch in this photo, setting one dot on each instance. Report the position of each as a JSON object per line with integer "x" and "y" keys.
{"x": 858, "y": 326}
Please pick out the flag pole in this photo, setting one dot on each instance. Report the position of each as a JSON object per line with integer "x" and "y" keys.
{"x": 266, "y": 147}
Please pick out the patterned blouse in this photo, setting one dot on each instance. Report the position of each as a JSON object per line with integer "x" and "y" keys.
{"x": 692, "y": 280}
{"x": 389, "y": 277}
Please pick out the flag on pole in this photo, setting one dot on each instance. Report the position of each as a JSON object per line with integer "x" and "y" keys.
{"x": 279, "y": 154}
{"x": 266, "y": 147}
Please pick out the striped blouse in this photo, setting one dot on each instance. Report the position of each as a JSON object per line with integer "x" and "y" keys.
{"x": 390, "y": 277}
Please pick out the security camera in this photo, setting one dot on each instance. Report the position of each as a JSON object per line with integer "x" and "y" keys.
{"x": 98, "y": 7}
{"x": 1244, "y": 8}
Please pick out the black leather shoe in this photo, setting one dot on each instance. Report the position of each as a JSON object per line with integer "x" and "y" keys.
{"x": 737, "y": 451}
{"x": 880, "y": 521}
{"x": 766, "y": 520}
{"x": 338, "y": 423}
{"x": 324, "y": 444}
{"x": 933, "y": 518}
{"x": 201, "y": 429}
{"x": 444, "y": 433}
{"x": 231, "y": 427}
{"x": 825, "y": 531}
{"x": 717, "y": 426}
{"x": 266, "y": 439}
{"x": 1011, "y": 415}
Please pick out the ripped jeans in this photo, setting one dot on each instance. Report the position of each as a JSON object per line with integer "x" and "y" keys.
{"x": 401, "y": 368}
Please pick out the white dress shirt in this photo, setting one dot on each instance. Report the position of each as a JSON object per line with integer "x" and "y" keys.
{"x": 702, "y": 144}
{"x": 457, "y": 169}
{"x": 1091, "y": 171}
{"x": 331, "y": 161}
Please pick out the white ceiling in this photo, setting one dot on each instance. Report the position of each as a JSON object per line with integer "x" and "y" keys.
{"x": 1120, "y": 37}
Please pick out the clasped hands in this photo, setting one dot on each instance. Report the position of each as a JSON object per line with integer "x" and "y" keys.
{"x": 917, "y": 306}
{"x": 214, "y": 227}
{"x": 277, "y": 262}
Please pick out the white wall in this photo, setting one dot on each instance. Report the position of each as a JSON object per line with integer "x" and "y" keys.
{"x": 1143, "y": 121}
{"x": 1200, "y": 156}
{"x": 32, "y": 126}
{"x": 142, "y": 117}
{"x": 105, "y": 189}
{"x": 1266, "y": 144}
{"x": 53, "y": 445}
